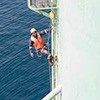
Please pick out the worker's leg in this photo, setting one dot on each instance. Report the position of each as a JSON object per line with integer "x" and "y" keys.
{"x": 39, "y": 54}
{"x": 45, "y": 51}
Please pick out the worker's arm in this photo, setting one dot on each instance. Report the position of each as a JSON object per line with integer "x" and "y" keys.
{"x": 30, "y": 47}
{"x": 45, "y": 31}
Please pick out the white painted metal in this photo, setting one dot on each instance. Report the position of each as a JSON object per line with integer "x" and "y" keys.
{"x": 80, "y": 49}
{"x": 53, "y": 93}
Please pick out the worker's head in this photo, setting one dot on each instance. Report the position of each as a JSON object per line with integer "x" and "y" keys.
{"x": 33, "y": 31}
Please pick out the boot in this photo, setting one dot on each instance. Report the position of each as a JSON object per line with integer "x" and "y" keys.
{"x": 50, "y": 59}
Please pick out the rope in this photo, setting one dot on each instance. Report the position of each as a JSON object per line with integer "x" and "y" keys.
{"x": 50, "y": 75}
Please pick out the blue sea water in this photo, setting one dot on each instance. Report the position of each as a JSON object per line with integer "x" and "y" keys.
{"x": 21, "y": 77}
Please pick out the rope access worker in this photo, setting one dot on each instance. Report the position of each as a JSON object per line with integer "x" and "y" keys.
{"x": 39, "y": 44}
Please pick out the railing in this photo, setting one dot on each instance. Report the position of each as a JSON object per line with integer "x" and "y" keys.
{"x": 53, "y": 93}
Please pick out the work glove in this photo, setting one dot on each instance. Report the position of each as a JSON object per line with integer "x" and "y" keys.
{"x": 31, "y": 54}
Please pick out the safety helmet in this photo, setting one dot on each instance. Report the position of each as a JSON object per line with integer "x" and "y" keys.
{"x": 33, "y": 30}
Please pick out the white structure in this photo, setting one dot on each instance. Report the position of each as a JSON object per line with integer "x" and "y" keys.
{"x": 80, "y": 49}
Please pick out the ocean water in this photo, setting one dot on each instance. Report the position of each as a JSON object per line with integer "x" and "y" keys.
{"x": 21, "y": 77}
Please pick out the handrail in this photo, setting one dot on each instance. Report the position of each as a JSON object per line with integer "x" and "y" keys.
{"x": 53, "y": 93}
{"x": 39, "y": 8}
